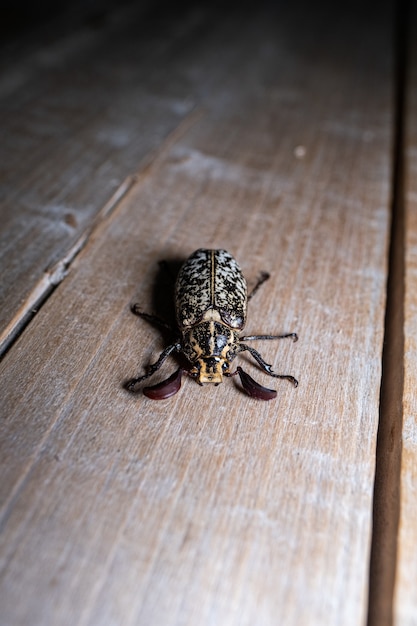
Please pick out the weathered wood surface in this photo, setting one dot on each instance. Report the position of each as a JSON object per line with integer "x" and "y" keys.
{"x": 78, "y": 115}
{"x": 213, "y": 508}
{"x": 405, "y": 598}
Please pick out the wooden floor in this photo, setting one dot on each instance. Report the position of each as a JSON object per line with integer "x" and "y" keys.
{"x": 135, "y": 133}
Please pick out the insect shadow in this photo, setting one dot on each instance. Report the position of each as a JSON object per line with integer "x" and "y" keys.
{"x": 163, "y": 303}
{"x": 163, "y": 294}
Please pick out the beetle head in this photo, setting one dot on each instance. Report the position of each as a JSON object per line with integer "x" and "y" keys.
{"x": 210, "y": 370}
{"x": 209, "y": 346}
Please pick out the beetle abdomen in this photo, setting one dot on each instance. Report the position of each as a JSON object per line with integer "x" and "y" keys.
{"x": 211, "y": 279}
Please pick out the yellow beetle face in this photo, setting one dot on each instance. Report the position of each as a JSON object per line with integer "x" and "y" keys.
{"x": 211, "y": 370}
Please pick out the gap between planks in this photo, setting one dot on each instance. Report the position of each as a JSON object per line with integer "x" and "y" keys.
{"x": 387, "y": 497}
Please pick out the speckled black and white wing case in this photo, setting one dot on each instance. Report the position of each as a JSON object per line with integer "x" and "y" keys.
{"x": 211, "y": 279}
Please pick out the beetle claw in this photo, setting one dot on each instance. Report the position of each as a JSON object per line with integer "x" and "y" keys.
{"x": 254, "y": 389}
{"x": 166, "y": 388}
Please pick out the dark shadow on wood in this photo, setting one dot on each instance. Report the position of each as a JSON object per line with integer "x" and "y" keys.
{"x": 163, "y": 296}
{"x": 162, "y": 307}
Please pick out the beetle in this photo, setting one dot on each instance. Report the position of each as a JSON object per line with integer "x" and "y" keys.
{"x": 211, "y": 307}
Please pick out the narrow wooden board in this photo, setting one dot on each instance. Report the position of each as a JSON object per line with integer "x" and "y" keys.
{"x": 405, "y": 598}
{"x": 212, "y": 508}
{"x": 79, "y": 114}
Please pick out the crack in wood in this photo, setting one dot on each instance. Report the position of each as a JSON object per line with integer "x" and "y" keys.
{"x": 56, "y": 273}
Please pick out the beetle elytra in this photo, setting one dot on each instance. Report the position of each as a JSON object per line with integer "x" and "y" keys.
{"x": 211, "y": 308}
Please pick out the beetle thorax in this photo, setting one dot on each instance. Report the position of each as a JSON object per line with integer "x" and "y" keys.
{"x": 210, "y": 346}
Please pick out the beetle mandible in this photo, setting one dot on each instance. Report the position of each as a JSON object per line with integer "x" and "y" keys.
{"x": 211, "y": 306}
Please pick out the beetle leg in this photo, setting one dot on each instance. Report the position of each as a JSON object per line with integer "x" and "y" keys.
{"x": 263, "y": 276}
{"x": 265, "y": 366}
{"x": 130, "y": 385}
{"x": 293, "y": 336}
{"x": 153, "y": 319}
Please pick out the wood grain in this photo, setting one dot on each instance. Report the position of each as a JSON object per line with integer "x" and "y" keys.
{"x": 212, "y": 508}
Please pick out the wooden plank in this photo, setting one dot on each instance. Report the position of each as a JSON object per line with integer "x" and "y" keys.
{"x": 212, "y": 507}
{"x": 405, "y": 598}
{"x": 79, "y": 113}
